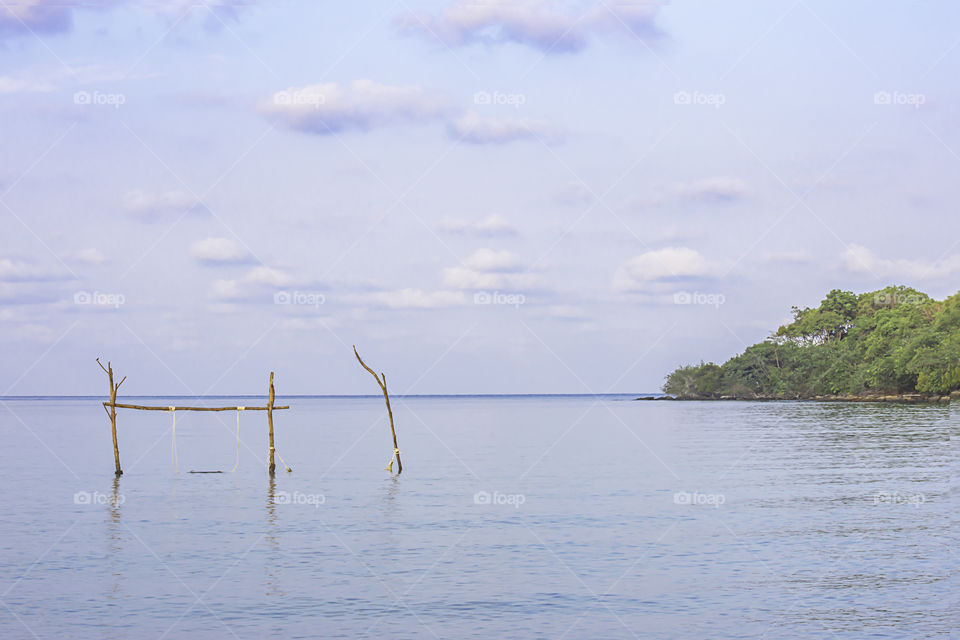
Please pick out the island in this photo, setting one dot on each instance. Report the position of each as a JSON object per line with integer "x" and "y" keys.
{"x": 892, "y": 345}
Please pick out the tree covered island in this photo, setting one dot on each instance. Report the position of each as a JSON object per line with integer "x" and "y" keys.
{"x": 893, "y": 344}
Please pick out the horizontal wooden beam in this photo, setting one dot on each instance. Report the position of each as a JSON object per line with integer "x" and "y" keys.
{"x": 142, "y": 407}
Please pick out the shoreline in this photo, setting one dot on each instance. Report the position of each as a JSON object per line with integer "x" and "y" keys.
{"x": 894, "y": 398}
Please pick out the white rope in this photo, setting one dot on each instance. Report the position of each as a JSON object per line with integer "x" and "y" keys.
{"x": 237, "y": 464}
{"x": 396, "y": 452}
{"x": 284, "y": 462}
{"x": 173, "y": 443}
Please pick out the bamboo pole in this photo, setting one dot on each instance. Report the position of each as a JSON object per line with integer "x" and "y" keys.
{"x": 386, "y": 397}
{"x": 141, "y": 407}
{"x": 270, "y": 396}
{"x": 113, "y": 414}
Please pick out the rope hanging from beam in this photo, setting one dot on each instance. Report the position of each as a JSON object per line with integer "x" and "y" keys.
{"x": 173, "y": 442}
{"x": 237, "y": 463}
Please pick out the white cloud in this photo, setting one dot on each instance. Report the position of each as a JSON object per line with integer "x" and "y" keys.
{"x": 154, "y": 206}
{"x": 492, "y": 225}
{"x": 330, "y": 108}
{"x": 785, "y": 257}
{"x": 33, "y": 16}
{"x": 859, "y": 259}
{"x": 226, "y": 290}
{"x": 488, "y": 269}
{"x": 490, "y": 260}
{"x": 655, "y": 269}
{"x": 218, "y": 251}
{"x": 476, "y": 129}
{"x": 252, "y": 284}
{"x": 89, "y": 256}
{"x": 417, "y": 299}
{"x": 10, "y": 85}
{"x": 270, "y": 276}
{"x": 535, "y": 23}
{"x": 717, "y": 189}
{"x": 28, "y": 17}
{"x": 12, "y": 270}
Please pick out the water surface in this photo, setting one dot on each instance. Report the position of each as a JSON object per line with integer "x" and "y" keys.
{"x": 534, "y": 516}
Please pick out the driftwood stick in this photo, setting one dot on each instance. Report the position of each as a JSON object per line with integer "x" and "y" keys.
{"x": 270, "y": 396}
{"x": 113, "y": 415}
{"x": 382, "y": 381}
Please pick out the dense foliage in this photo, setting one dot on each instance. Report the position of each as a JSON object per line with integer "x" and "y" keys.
{"x": 896, "y": 340}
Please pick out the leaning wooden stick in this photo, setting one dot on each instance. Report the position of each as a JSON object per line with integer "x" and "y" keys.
{"x": 382, "y": 381}
{"x": 113, "y": 414}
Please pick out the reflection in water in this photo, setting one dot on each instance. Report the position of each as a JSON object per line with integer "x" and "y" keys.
{"x": 272, "y": 565}
{"x": 115, "y": 540}
{"x": 393, "y": 548}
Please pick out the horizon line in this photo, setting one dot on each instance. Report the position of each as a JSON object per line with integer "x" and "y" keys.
{"x": 371, "y": 395}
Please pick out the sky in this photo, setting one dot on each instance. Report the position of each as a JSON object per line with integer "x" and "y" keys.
{"x": 484, "y": 196}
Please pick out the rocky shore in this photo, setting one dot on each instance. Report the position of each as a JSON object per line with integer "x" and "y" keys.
{"x": 901, "y": 398}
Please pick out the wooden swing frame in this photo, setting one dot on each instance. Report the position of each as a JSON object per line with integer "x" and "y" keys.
{"x": 112, "y": 405}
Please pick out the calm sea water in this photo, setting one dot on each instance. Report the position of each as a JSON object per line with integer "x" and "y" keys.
{"x": 515, "y": 517}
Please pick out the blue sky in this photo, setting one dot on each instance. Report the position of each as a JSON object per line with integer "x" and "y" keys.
{"x": 485, "y": 197}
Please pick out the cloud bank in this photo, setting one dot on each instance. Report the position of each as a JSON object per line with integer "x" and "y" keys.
{"x": 534, "y": 23}
{"x": 660, "y": 269}
{"x": 477, "y": 129}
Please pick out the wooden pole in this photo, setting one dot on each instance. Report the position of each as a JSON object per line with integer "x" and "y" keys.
{"x": 113, "y": 415}
{"x": 270, "y": 396}
{"x": 386, "y": 397}
{"x": 141, "y": 407}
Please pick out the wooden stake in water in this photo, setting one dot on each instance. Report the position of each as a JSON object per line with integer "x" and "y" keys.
{"x": 113, "y": 414}
{"x": 270, "y": 396}
{"x": 382, "y": 381}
